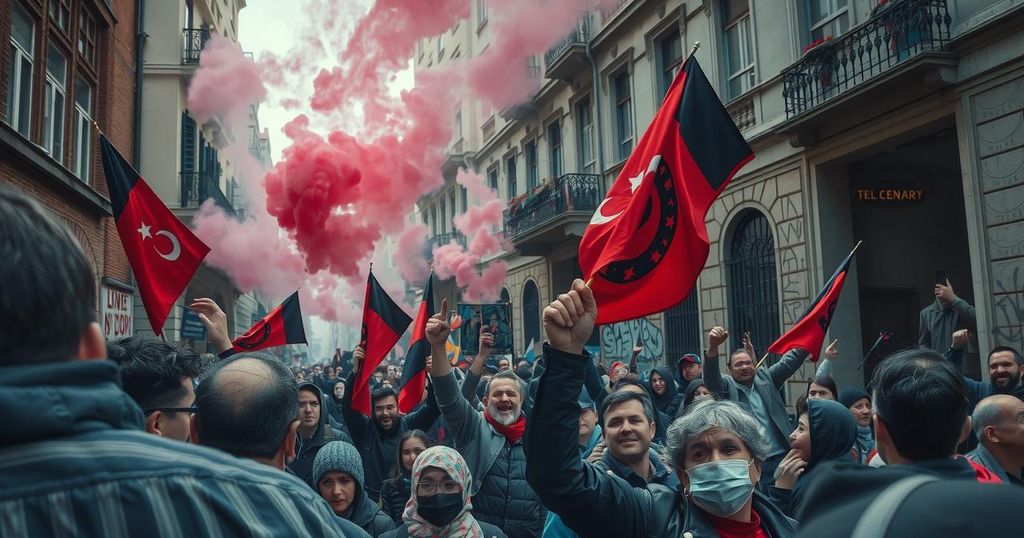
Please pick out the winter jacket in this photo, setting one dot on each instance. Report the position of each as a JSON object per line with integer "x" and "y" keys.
{"x": 378, "y": 448}
{"x": 80, "y": 464}
{"x": 670, "y": 400}
{"x": 833, "y": 432}
{"x": 689, "y": 395}
{"x": 369, "y": 516}
{"x": 983, "y": 457}
{"x": 595, "y": 503}
{"x": 490, "y": 531}
{"x": 976, "y": 390}
{"x": 306, "y": 450}
{"x": 501, "y": 495}
{"x": 768, "y": 383}
{"x": 660, "y": 473}
{"x": 394, "y": 493}
{"x": 554, "y": 527}
{"x": 839, "y": 492}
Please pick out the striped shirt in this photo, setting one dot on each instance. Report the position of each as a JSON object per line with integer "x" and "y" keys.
{"x": 74, "y": 462}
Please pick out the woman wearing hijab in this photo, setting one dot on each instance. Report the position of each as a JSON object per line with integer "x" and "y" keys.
{"x": 663, "y": 392}
{"x": 439, "y": 505}
{"x": 395, "y": 491}
{"x": 825, "y": 431}
{"x": 696, "y": 391}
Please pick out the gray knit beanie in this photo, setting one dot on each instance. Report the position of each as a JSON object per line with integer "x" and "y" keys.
{"x": 338, "y": 456}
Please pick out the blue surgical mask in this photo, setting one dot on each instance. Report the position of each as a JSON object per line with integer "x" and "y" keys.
{"x": 721, "y": 487}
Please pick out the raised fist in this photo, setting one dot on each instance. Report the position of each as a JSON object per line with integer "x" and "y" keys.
{"x": 569, "y": 320}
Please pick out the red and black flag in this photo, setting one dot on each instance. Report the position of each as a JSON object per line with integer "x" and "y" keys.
{"x": 647, "y": 242}
{"x": 809, "y": 333}
{"x": 414, "y": 374}
{"x": 384, "y": 322}
{"x": 163, "y": 252}
{"x": 282, "y": 326}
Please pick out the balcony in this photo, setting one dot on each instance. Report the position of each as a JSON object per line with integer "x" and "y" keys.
{"x": 194, "y": 41}
{"x": 552, "y": 213}
{"x": 524, "y": 110}
{"x": 902, "y": 39}
{"x": 197, "y": 187}
{"x": 569, "y": 56}
{"x": 443, "y": 239}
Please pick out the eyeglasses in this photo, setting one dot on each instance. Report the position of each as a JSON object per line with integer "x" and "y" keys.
{"x": 433, "y": 488}
{"x": 171, "y": 410}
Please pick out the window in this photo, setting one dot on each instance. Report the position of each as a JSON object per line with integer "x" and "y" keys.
{"x": 739, "y": 53}
{"x": 83, "y": 129}
{"x": 623, "y": 115}
{"x": 532, "y": 179}
{"x": 19, "y": 74}
{"x": 458, "y": 125}
{"x": 481, "y": 13}
{"x": 87, "y": 36}
{"x": 188, "y": 14}
{"x": 492, "y": 178}
{"x": 826, "y": 18}
{"x": 751, "y": 280}
{"x": 443, "y": 213}
{"x": 670, "y": 58}
{"x": 510, "y": 173}
{"x": 682, "y": 328}
{"x": 531, "y": 313}
{"x": 555, "y": 147}
{"x": 54, "y": 93}
{"x": 465, "y": 198}
{"x": 585, "y": 133}
{"x": 60, "y": 13}
{"x": 433, "y": 219}
{"x": 451, "y": 203}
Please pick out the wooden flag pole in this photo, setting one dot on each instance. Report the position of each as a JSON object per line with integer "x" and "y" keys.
{"x": 855, "y": 247}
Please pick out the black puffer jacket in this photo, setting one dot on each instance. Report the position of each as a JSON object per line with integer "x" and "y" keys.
{"x": 594, "y": 503}
{"x": 369, "y": 516}
{"x": 307, "y": 449}
{"x": 394, "y": 494}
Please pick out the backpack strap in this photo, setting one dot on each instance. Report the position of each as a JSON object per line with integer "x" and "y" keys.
{"x": 876, "y": 518}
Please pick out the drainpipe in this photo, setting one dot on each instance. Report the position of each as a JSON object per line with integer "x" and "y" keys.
{"x": 597, "y": 107}
{"x": 140, "y": 41}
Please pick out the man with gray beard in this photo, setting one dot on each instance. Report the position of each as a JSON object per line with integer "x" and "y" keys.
{"x": 491, "y": 443}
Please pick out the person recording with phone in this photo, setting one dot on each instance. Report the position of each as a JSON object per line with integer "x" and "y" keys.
{"x": 943, "y": 317}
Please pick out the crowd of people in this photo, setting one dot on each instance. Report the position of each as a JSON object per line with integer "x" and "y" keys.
{"x": 142, "y": 437}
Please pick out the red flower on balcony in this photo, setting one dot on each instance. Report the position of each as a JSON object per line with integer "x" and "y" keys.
{"x": 810, "y": 46}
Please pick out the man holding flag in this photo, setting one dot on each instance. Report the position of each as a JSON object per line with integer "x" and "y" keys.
{"x": 376, "y": 424}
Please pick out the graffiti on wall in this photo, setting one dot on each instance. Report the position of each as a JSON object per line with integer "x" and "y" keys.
{"x": 618, "y": 339}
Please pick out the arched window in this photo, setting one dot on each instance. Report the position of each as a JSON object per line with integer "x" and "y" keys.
{"x": 751, "y": 278}
{"x": 504, "y": 296}
{"x": 531, "y": 314}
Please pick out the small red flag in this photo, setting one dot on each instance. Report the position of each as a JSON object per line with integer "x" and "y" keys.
{"x": 162, "y": 251}
{"x": 384, "y": 322}
{"x": 809, "y": 333}
{"x": 647, "y": 242}
{"x": 282, "y": 326}
{"x": 414, "y": 374}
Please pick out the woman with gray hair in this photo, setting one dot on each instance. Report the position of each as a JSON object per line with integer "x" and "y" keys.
{"x": 717, "y": 451}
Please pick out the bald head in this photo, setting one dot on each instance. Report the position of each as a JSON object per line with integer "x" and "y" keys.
{"x": 997, "y": 412}
{"x": 246, "y": 405}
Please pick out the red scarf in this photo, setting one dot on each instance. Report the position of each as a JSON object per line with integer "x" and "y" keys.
{"x": 513, "y": 432}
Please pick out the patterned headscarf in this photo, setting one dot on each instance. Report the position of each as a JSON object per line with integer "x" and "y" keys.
{"x": 451, "y": 462}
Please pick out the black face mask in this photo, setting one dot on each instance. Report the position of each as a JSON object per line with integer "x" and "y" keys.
{"x": 439, "y": 509}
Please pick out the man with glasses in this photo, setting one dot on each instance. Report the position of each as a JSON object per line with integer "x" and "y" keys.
{"x": 160, "y": 378}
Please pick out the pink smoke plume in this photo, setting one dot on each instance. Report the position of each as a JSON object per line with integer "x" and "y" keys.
{"x": 409, "y": 257}
{"x": 225, "y": 84}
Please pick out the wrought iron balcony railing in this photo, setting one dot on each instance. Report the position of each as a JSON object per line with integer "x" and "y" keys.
{"x": 197, "y": 187}
{"x": 569, "y": 193}
{"x": 195, "y": 40}
{"x": 895, "y": 33}
{"x": 578, "y": 36}
{"x": 440, "y": 239}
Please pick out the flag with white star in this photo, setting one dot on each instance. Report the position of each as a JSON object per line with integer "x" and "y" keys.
{"x": 163, "y": 252}
{"x": 647, "y": 242}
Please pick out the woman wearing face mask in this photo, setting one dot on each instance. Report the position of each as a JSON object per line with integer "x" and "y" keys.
{"x": 395, "y": 491}
{"x": 859, "y": 404}
{"x": 439, "y": 505}
{"x": 825, "y": 431}
{"x": 338, "y": 477}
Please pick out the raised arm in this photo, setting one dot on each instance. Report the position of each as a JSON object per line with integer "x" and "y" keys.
{"x": 955, "y": 355}
{"x": 963, "y": 309}
{"x": 476, "y": 368}
{"x": 464, "y": 421}
{"x": 590, "y": 502}
{"x": 787, "y": 366}
{"x": 424, "y": 417}
{"x": 712, "y": 369}
{"x": 215, "y": 321}
{"x": 358, "y": 423}
{"x": 825, "y": 366}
